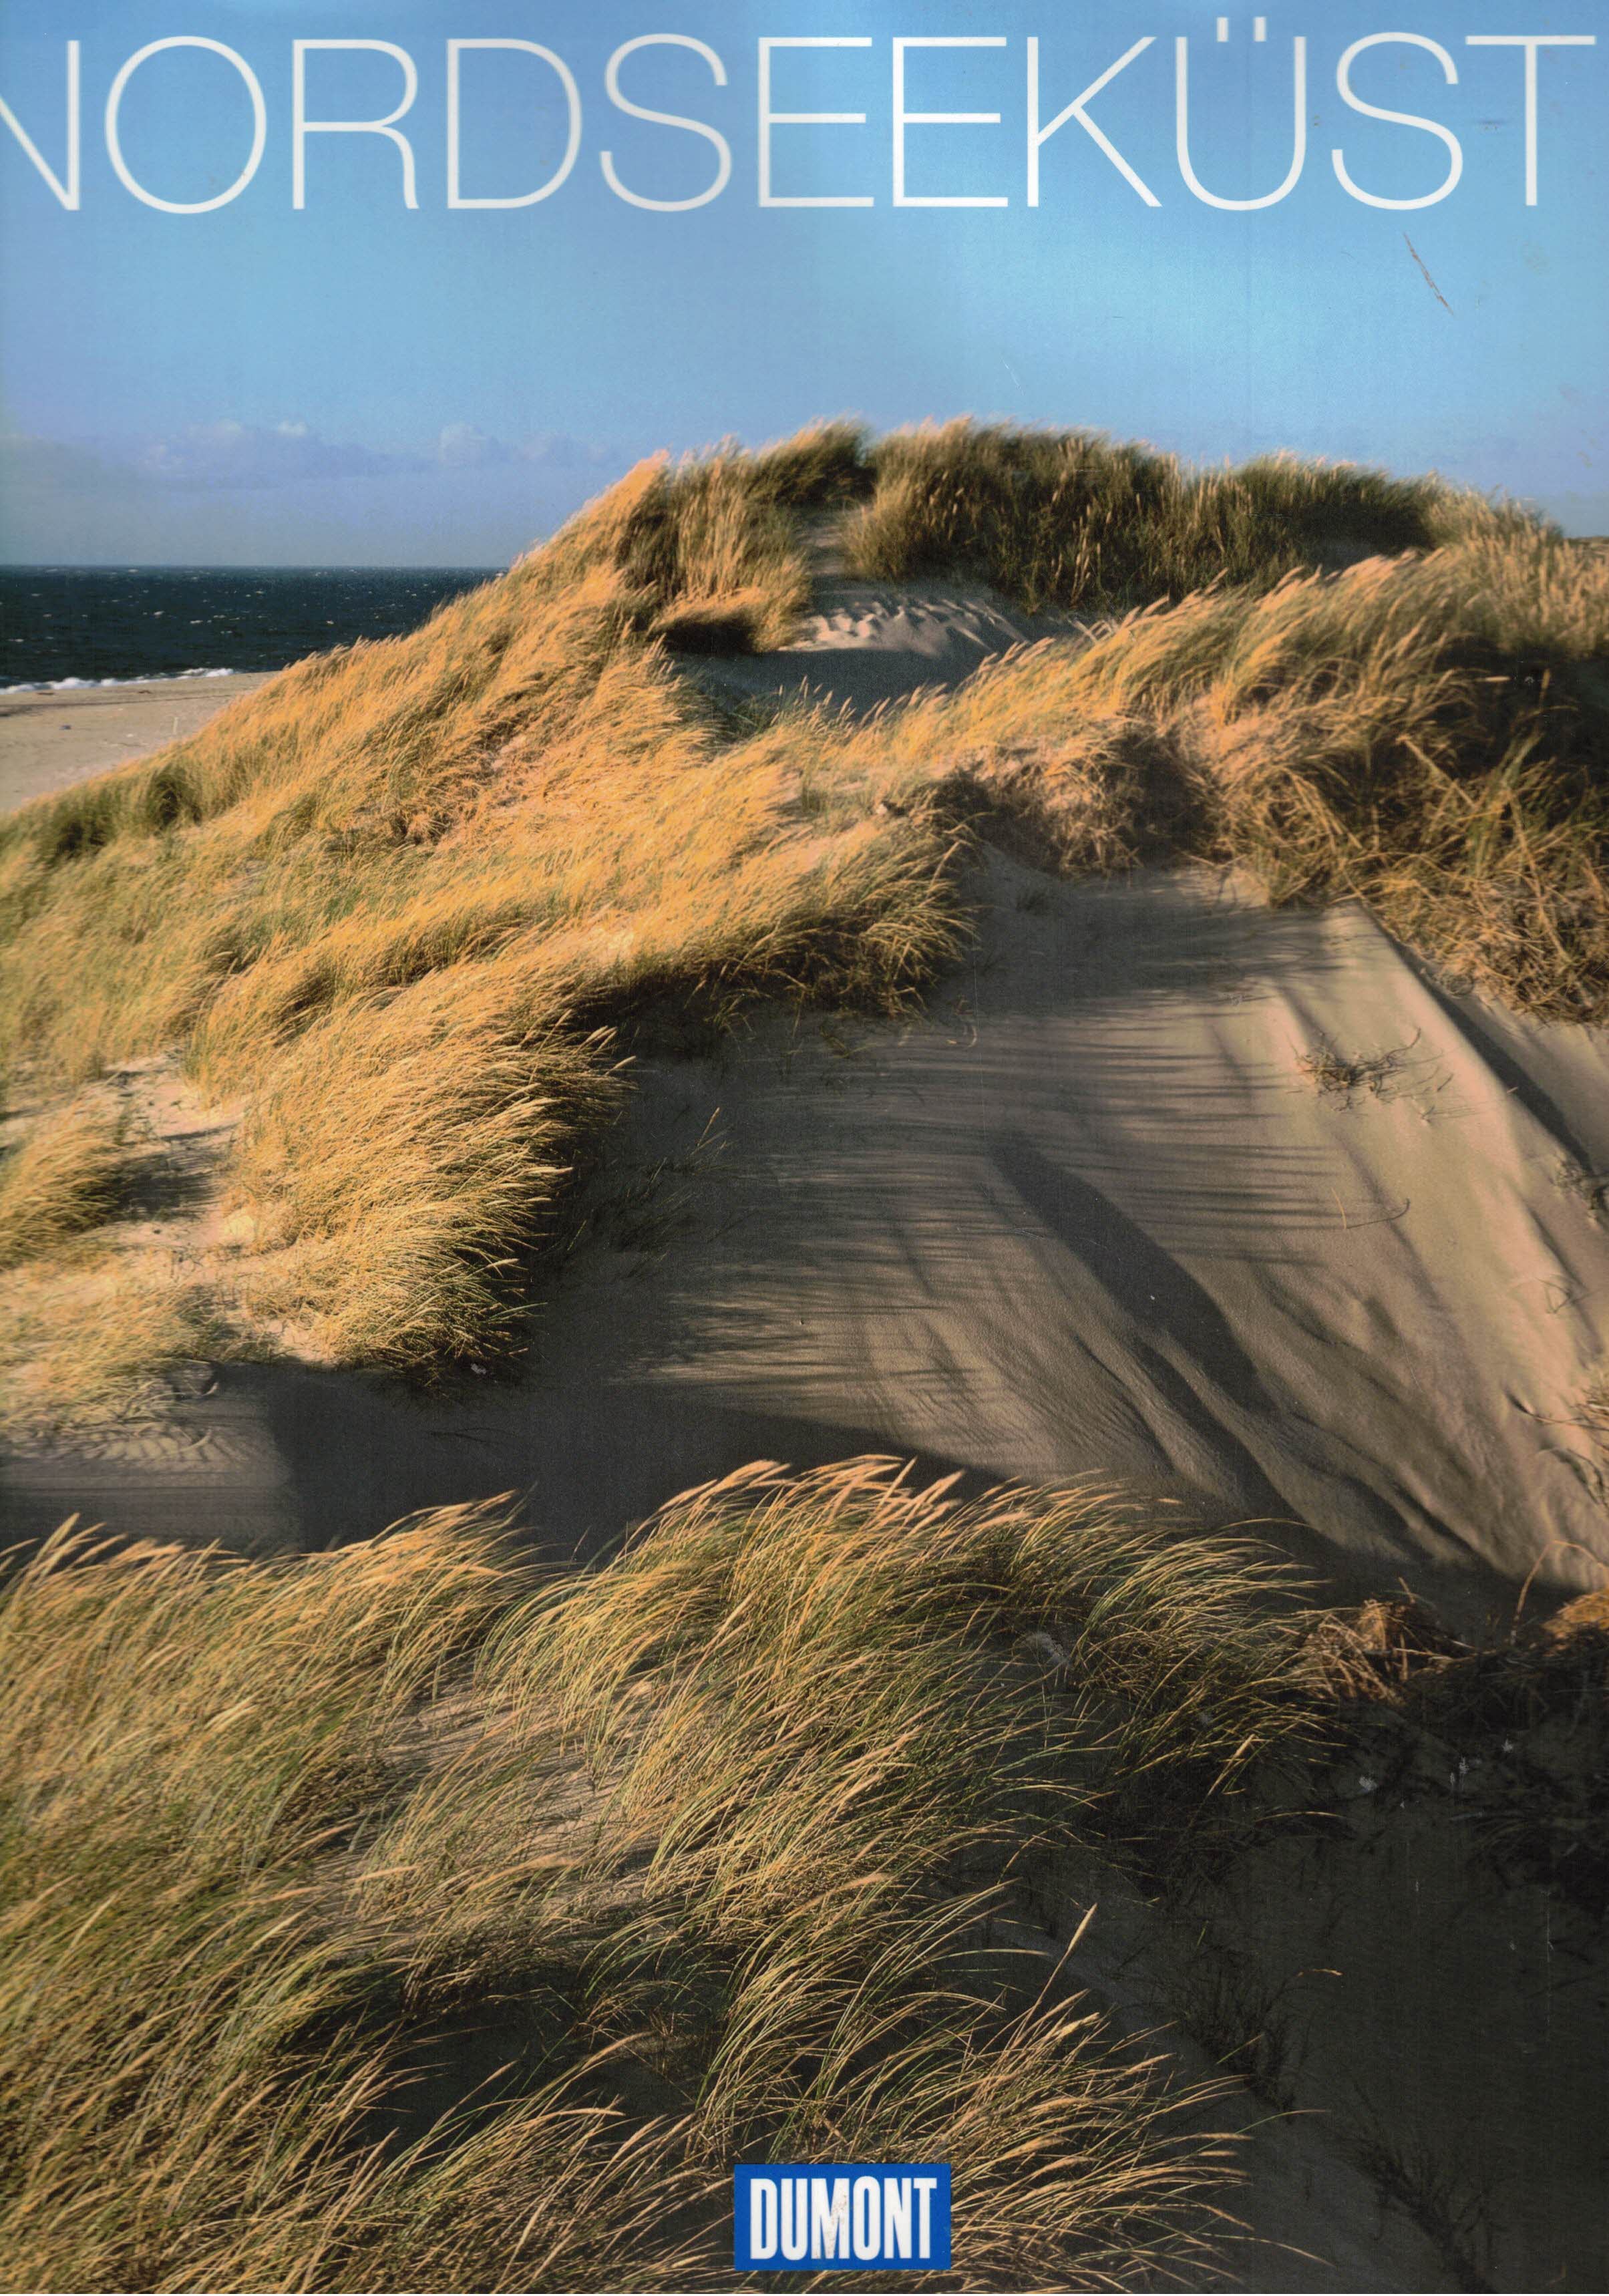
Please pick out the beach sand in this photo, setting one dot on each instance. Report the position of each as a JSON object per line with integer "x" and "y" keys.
{"x": 49, "y": 741}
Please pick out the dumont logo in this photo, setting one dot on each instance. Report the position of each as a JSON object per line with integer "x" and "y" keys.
{"x": 841, "y": 2217}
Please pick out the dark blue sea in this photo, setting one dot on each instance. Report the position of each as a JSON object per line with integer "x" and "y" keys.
{"x": 64, "y": 625}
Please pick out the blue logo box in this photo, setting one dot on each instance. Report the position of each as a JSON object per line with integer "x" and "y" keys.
{"x": 842, "y": 2216}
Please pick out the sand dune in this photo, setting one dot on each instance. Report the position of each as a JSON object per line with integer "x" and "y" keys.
{"x": 1101, "y": 1222}
{"x": 1089, "y": 1215}
{"x": 1239, "y": 1206}
{"x": 1231, "y": 1203}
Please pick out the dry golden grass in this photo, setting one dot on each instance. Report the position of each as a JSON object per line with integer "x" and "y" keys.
{"x": 1582, "y": 1622}
{"x": 61, "y": 1179}
{"x": 393, "y": 904}
{"x": 433, "y": 1104}
{"x": 1591, "y": 1408}
{"x": 396, "y": 900}
{"x": 82, "y": 1323}
{"x": 1426, "y": 734}
{"x": 706, "y": 1843}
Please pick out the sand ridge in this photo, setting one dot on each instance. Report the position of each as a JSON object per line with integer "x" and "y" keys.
{"x": 1242, "y": 1206}
{"x": 1089, "y": 1215}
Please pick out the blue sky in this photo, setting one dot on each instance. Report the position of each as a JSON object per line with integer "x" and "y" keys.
{"x": 358, "y": 382}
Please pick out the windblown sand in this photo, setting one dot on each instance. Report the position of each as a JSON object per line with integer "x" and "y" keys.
{"x": 1167, "y": 1186}
{"x": 867, "y": 644}
{"x": 48, "y": 741}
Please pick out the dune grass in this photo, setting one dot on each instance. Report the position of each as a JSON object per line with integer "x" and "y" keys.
{"x": 394, "y": 905}
{"x": 81, "y": 1323}
{"x": 465, "y": 1929}
{"x": 59, "y": 1179}
{"x": 1426, "y": 734}
{"x": 1072, "y": 519}
{"x": 1527, "y": 1709}
{"x": 410, "y": 902}
{"x": 84, "y": 1329}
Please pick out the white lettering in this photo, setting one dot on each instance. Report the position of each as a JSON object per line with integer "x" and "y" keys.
{"x": 796, "y": 2216}
{"x": 572, "y": 96}
{"x": 770, "y": 120}
{"x": 762, "y": 2217}
{"x": 866, "y": 2218}
{"x": 896, "y": 2214}
{"x": 1038, "y": 136}
{"x": 828, "y": 2218}
{"x": 903, "y": 118}
{"x": 68, "y": 190}
{"x": 925, "y": 2187}
{"x": 1398, "y": 119}
{"x": 301, "y": 127}
{"x": 1182, "y": 51}
{"x": 1530, "y": 41}
{"x": 611, "y": 80}
{"x": 114, "y": 146}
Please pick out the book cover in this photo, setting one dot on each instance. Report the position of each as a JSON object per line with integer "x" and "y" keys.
{"x": 804, "y": 1146}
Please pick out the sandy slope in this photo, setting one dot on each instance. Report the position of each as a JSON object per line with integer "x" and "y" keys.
{"x": 1090, "y": 1216}
{"x": 48, "y": 741}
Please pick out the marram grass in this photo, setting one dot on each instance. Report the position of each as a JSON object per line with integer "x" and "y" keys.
{"x": 405, "y": 904}
{"x": 391, "y": 1918}
{"x": 1069, "y": 519}
{"x": 60, "y": 1180}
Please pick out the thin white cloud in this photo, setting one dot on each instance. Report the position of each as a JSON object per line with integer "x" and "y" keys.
{"x": 251, "y": 455}
{"x": 228, "y": 454}
{"x": 466, "y": 446}
{"x": 556, "y": 450}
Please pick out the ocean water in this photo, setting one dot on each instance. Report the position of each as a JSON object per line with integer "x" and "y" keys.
{"x": 65, "y": 626}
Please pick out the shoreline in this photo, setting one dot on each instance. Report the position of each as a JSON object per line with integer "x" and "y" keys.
{"x": 50, "y": 740}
